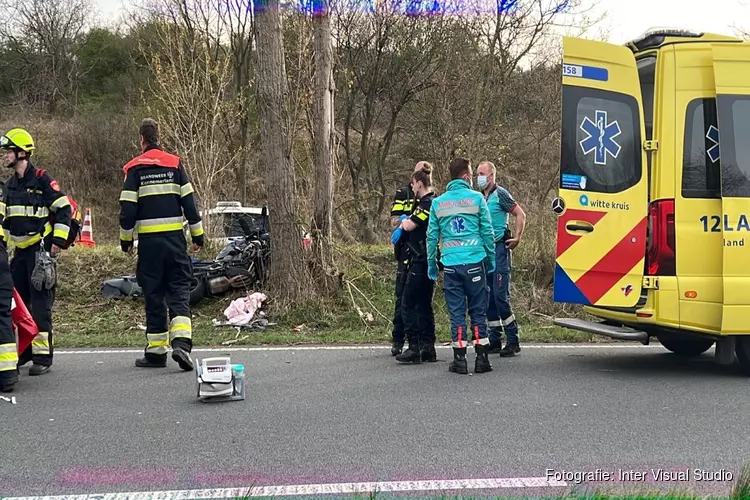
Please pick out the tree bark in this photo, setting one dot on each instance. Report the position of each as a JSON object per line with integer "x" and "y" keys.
{"x": 323, "y": 118}
{"x": 323, "y": 267}
{"x": 287, "y": 278}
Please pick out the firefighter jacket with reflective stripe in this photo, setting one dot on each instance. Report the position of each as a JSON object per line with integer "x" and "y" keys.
{"x": 34, "y": 207}
{"x": 156, "y": 194}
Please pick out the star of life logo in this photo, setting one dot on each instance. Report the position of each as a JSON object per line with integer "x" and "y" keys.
{"x": 600, "y": 137}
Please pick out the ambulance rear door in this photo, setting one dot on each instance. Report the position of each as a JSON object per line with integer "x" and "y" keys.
{"x": 602, "y": 206}
{"x": 732, "y": 80}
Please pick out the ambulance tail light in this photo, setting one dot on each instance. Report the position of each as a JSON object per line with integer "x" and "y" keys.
{"x": 660, "y": 259}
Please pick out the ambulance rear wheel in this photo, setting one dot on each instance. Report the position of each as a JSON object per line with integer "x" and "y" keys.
{"x": 742, "y": 349}
{"x": 686, "y": 347}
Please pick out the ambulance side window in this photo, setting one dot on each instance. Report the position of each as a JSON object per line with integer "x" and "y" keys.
{"x": 700, "y": 157}
{"x": 735, "y": 146}
{"x": 601, "y": 141}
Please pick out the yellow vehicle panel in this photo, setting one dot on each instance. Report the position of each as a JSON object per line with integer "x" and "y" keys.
{"x": 732, "y": 79}
{"x": 698, "y": 193}
{"x": 603, "y": 196}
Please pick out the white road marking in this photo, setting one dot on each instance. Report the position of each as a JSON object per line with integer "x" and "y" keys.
{"x": 347, "y": 348}
{"x": 318, "y": 489}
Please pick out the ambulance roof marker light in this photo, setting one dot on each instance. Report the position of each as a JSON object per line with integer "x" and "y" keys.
{"x": 653, "y": 37}
{"x": 668, "y": 31}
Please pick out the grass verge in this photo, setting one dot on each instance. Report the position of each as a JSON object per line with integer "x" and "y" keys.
{"x": 360, "y": 314}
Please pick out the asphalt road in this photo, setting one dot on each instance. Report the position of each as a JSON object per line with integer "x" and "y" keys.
{"x": 96, "y": 424}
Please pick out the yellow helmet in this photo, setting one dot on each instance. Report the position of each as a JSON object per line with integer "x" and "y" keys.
{"x": 19, "y": 139}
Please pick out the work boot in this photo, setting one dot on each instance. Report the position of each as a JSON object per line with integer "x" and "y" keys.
{"x": 410, "y": 355}
{"x": 146, "y": 362}
{"x": 510, "y": 350}
{"x": 495, "y": 347}
{"x": 428, "y": 353}
{"x": 8, "y": 381}
{"x": 396, "y": 348}
{"x": 459, "y": 365}
{"x": 482, "y": 363}
{"x": 38, "y": 369}
{"x": 182, "y": 357}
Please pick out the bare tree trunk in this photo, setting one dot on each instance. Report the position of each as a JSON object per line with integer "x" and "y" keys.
{"x": 321, "y": 230}
{"x": 288, "y": 276}
{"x": 323, "y": 118}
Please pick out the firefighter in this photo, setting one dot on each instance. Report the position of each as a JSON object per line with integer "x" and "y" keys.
{"x": 156, "y": 194}
{"x": 31, "y": 196}
{"x": 499, "y": 313}
{"x": 416, "y": 303}
{"x": 8, "y": 349}
{"x": 460, "y": 221}
{"x": 403, "y": 205}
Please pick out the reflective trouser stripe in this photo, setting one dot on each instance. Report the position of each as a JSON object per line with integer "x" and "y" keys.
{"x": 181, "y": 327}
{"x": 40, "y": 344}
{"x": 8, "y": 357}
{"x": 463, "y": 343}
{"x": 494, "y": 324}
{"x": 510, "y": 319}
{"x": 157, "y": 343}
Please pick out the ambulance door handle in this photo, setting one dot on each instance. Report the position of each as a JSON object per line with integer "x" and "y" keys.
{"x": 579, "y": 226}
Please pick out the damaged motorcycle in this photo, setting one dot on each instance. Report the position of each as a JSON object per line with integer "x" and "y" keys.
{"x": 241, "y": 265}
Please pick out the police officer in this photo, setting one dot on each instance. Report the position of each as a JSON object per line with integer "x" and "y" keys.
{"x": 499, "y": 313}
{"x": 416, "y": 303}
{"x": 156, "y": 193}
{"x": 403, "y": 205}
{"x": 460, "y": 221}
{"x": 8, "y": 348}
{"x": 31, "y": 195}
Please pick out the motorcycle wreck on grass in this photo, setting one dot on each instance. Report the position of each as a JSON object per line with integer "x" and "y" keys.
{"x": 242, "y": 264}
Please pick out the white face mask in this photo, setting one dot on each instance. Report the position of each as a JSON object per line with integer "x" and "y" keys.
{"x": 482, "y": 181}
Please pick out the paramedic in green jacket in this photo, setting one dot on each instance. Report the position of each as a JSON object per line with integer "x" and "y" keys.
{"x": 460, "y": 222}
{"x": 499, "y": 313}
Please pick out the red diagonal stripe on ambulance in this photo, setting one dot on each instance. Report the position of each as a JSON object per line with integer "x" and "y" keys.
{"x": 615, "y": 264}
{"x": 564, "y": 239}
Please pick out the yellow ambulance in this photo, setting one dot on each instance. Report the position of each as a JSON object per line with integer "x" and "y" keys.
{"x": 653, "y": 233}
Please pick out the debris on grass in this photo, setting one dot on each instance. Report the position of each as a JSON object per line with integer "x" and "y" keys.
{"x": 241, "y": 311}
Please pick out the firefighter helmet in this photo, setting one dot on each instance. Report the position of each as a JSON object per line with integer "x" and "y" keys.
{"x": 18, "y": 139}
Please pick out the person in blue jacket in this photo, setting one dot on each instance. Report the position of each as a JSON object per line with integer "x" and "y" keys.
{"x": 499, "y": 313}
{"x": 460, "y": 223}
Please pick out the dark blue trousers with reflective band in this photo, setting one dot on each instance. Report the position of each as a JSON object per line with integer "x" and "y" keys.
{"x": 399, "y": 335}
{"x": 466, "y": 286}
{"x": 499, "y": 314}
{"x": 416, "y": 305}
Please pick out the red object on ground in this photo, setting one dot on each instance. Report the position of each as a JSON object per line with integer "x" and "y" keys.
{"x": 23, "y": 324}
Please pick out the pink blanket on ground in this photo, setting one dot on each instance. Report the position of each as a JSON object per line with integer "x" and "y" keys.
{"x": 241, "y": 311}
